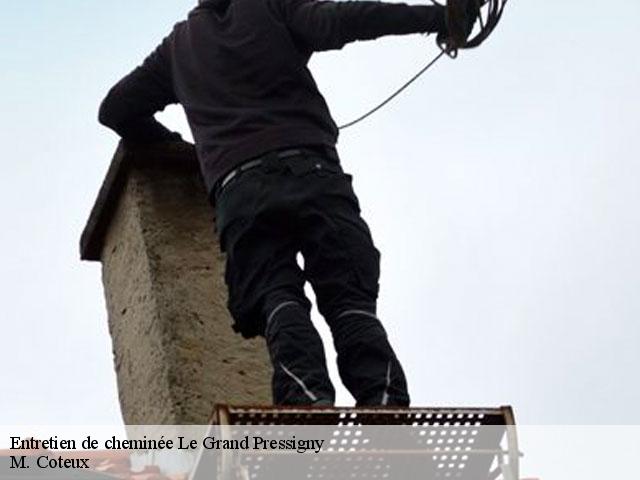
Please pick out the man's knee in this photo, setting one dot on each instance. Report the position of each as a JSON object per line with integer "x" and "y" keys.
{"x": 285, "y": 311}
{"x": 357, "y": 326}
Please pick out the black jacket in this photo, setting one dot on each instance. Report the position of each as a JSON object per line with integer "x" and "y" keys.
{"x": 239, "y": 69}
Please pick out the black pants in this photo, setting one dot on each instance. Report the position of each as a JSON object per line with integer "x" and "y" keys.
{"x": 305, "y": 204}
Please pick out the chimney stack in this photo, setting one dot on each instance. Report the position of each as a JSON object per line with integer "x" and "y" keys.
{"x": 174, "y": 350}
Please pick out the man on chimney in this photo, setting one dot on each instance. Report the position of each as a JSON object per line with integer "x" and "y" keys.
{"x": 266, "y": 144}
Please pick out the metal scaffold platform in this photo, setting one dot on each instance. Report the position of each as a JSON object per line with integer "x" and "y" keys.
{"x": 366, "y": 443}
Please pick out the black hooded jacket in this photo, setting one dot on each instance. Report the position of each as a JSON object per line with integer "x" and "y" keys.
{"x": 239, "y": 69}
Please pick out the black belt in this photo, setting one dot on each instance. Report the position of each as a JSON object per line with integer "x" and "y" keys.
{"x": 279, "y": 155}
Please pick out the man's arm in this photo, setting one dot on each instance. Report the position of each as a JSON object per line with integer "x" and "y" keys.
{"x": 326, "y": 25}
{"x": 130, "y": 105}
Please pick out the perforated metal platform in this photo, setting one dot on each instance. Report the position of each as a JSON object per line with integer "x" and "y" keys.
{"x": 372, "y": 443}
{"x": 248, "y": 415}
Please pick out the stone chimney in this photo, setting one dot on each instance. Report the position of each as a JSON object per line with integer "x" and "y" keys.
{"x": 174, "y": 350}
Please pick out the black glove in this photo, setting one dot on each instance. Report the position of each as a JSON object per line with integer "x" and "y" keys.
{"x": 461, "y": 16}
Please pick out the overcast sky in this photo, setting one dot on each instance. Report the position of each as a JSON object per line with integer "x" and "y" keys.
{"x": 502, "y": 190}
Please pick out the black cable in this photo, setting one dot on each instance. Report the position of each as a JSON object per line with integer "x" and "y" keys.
{"x": 487, "y": 25}
{"x": 394, "y": 95}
